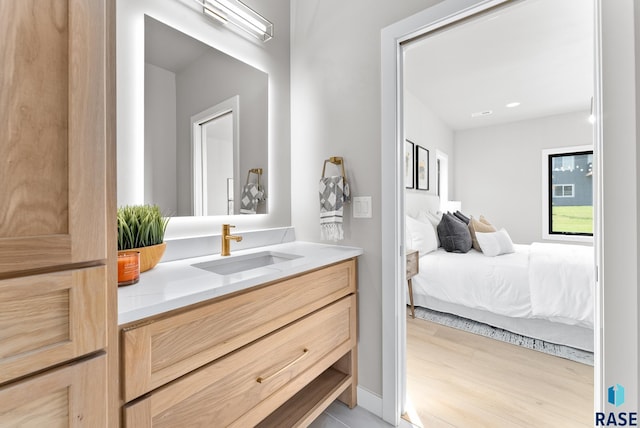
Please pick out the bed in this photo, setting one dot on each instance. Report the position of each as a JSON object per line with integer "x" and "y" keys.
{"x": 543, "y": 290}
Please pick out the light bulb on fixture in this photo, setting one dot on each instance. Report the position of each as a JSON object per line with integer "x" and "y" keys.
{"x": 513, "y": 104}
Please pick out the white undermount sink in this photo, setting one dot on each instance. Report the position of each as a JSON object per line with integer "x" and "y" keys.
{"x": 235, "y": 264}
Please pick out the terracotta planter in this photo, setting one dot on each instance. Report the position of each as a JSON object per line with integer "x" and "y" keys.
{"x": 149, "y": 256}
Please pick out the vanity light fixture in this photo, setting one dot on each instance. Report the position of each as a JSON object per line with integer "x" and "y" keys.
{"x": 240, "y": 15}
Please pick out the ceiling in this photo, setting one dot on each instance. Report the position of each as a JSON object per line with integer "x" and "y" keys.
{"x": 168, "y": 48}
{"x": 535, "y": 52}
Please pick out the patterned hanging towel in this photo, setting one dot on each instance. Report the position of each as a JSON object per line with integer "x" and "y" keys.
{"x": 251, "y": 195}
{"x": 332, "y": 197}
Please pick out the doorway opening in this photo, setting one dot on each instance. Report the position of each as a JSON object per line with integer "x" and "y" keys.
{"x": 214, "y": 148}
{"x": 446, "y": 19}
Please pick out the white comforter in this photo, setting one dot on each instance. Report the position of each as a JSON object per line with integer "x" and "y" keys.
{"x": 562, "y": 283}
{"x": 549, "y": 281}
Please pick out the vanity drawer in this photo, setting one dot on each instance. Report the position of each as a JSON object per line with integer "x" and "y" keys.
{"x": 169, "y": 347}
{"x": 50, "y": 318}
{"x": 245, "y": 386}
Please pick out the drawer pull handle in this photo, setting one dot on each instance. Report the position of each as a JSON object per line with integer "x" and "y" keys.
{"x": 261, "y": 379}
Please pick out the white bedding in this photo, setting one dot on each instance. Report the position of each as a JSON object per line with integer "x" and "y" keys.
{"x": 562, "y": 283}
{"x": 537, "y": 281}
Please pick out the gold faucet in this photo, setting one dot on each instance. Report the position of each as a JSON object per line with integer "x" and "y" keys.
{"x": 226, "y": 237}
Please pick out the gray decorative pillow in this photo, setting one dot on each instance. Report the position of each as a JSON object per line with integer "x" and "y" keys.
{"x": 462, "y": 217}
{"x": 454, "y": 234}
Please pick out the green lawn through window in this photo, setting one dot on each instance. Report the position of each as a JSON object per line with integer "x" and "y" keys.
{"x": 577, "y": 219}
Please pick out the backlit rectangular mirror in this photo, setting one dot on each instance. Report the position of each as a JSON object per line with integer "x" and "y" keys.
{"x": 205, "y": 127}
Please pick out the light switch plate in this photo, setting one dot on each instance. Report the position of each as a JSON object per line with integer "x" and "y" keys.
{"x": 361, "y": 206}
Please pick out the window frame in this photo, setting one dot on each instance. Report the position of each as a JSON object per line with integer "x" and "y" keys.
{"x": 547, "y": 195}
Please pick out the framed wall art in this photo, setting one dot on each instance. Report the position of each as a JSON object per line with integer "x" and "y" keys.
{"x": 409, "y": 165}
{"x": 422, "y": 168}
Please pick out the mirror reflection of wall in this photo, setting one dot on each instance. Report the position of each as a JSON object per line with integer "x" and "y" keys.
{"x": 183, "y": 78}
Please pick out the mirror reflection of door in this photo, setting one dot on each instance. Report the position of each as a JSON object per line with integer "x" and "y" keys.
{"x": 217, "y": 152}
{"x": 215, "y": 145}
{"x": 184, "y": 76}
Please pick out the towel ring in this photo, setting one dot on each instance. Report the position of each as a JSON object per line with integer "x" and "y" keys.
{"x": 337, "y": 160}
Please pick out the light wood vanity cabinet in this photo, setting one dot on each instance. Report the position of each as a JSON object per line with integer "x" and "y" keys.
{"x": 275, "y": 355}
{"x": 57, "y": 201}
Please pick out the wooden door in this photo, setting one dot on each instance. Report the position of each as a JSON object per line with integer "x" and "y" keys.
{"x": 52, "y": 134}
{"x": 57, "y": 213}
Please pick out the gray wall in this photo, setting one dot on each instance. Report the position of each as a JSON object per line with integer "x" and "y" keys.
{"x": 335, "y": 84}
{"x": 620, "y": 79}
{"x": 498, "y": 169}
{"x": 160, "y": 141}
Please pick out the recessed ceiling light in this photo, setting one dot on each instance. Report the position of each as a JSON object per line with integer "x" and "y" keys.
{"x": 482, "y": 113}
{"x": 513, "y": 104}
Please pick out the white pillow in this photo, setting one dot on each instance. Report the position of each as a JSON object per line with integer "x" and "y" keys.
{"x": 420, "y": 236}
{"x": 495, "y": 243}
{"x": 428, "y": 217}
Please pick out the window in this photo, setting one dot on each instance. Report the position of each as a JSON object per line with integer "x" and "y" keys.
{"x": 562, "y": 190}
{"x": 568, "y": 193}
{"x": 567, "y": 190}
{"x": 442, "y": 183}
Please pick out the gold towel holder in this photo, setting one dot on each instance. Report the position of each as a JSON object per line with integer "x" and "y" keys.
{"x": 257, "y": 171}
{"x": 336, "y": 160}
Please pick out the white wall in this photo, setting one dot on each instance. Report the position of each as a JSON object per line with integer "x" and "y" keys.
{"x": 498, "y": 169}
{"x": 335, "y": 83}
{"x": 424, "y": 128}
{"x": 271, "y": 57}
{"x": 160, "y": 138}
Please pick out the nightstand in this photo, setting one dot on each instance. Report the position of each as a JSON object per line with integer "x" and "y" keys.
{"x": 412, "y": 270}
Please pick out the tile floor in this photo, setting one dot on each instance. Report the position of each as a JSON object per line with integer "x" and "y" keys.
{"x": 338, "y": 415}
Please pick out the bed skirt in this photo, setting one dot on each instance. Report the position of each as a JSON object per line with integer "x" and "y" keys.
{"x": 559, "y": 333}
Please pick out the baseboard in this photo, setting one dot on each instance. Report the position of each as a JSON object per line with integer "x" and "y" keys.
{"x": 373, "y": 403}
{"x": 370, "y": 401}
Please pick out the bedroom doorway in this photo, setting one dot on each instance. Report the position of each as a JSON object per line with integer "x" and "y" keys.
{"x": 441, "y": 19}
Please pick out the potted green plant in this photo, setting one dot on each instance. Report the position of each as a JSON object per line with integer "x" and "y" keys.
{"x": 141, "y": 228}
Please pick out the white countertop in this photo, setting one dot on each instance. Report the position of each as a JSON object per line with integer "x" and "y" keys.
{"x": 176, "y": 284}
